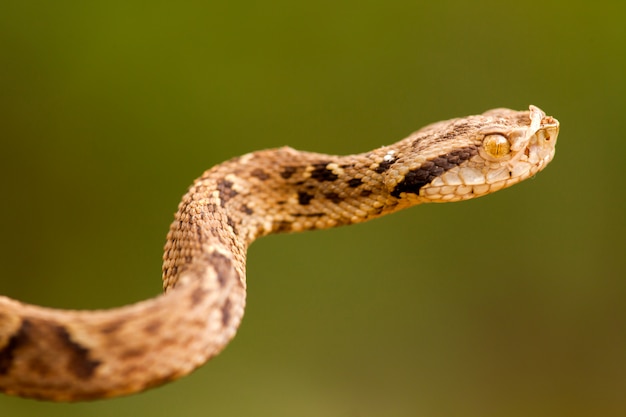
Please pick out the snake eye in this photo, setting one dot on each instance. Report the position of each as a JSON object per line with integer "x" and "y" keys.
{"x": 496, "y": 145}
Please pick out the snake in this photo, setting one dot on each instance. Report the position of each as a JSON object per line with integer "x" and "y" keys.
{"x": 78, "y": 355}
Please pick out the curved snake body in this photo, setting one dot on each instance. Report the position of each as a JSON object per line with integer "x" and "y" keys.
{"x": 67, "y": 355}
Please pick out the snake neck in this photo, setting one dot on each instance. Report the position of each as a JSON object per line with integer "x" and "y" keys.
{"x": 273, "y": 191}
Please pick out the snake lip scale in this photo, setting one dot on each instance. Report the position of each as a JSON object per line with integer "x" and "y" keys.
{"x": 74, "y": 355}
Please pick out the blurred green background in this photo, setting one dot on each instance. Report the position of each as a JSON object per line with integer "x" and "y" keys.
{"x": 509, "y": 305}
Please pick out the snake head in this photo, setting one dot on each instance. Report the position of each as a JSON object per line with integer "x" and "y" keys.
{"x": 509, "y": 147}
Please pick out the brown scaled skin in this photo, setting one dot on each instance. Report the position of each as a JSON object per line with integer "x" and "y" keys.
{"x": 66, "y": 355}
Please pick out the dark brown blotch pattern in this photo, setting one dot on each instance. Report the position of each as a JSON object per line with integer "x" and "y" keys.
{"x": 7, "y": 354}
{"x": 260, "y": 174}
{"x": 231, "y": 223}
{"x": 334, "y": 197}
{"x": 304, "y": 199}
{"x": 79, "y": 363}
{"x": 415, "y": 179}
{"x": 354, "y": 182}
{"x": 322, "y": 173}
{"x": 287, "y": 172}
{"x": 200, "y": 294}
{"x": 223, "y": 266}
{"x": 226, "y": 312}
{"x": 34, "y": 335}
{"x": 281, "y": 226}
{"x": 226, "y": 192}
{"x": 385, "y": 165}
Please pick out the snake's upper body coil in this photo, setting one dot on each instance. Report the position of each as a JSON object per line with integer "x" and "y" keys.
{"x": 66, "y": 355}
